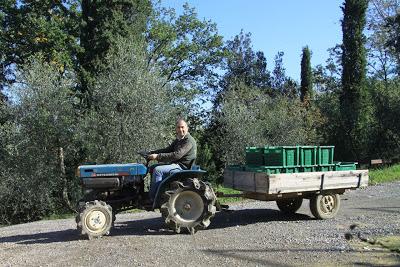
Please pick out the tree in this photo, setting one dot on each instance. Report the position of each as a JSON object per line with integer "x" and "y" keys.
{"x": 249, "y": 117}
{"x": 381, "y": 21}
{"x": 103, "y": 23}
{"x": 306, "y": 88}
{"x": 393, "y": 42}
{"x": 386, "y": 100}
{"x": 245, "y": 65}
{"x": 37, "y": 174}
{"x": 186, "y": 48}
{"x": 279, "y": 76}
{"x": 29, "y": 27}
{"x": 133, "y": 109}
{"x": 354, "y": 100}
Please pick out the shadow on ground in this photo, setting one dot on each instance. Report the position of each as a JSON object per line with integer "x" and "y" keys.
{"x": 156, "y": 226}
{"x": 224, "y": 219}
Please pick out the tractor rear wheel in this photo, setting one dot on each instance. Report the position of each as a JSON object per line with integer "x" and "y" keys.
{"x": 189, "y": 206}
{"x": 95, "y": 219}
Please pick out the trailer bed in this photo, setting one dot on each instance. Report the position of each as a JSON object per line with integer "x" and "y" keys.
{"x": 276, "y": 184}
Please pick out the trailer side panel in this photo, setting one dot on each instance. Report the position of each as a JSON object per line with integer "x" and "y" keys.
{"x": 294, "y": 182}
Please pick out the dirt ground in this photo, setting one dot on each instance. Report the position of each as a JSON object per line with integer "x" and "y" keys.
{"x": 252, "y": 233}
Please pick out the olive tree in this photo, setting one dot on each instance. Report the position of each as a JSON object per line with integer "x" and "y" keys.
{"x": 249, "y": 117}
{"x": 131, "y": 111}
{"x": 39, "y": 148}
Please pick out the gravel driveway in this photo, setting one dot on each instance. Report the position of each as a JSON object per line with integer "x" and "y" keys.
{"x": 253, "y": 233}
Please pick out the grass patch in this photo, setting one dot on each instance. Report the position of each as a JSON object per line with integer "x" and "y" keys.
{"x": 388, "y": 174}
{"x": 225, "y": 200}
{"x": 390, "y": 242}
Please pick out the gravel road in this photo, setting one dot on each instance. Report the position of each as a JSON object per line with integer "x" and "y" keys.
{"x": 253, "y": 233}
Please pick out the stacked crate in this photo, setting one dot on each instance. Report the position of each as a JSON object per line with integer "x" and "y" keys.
{"x": 292, "y": 159}
{"x": 272, "y": 159}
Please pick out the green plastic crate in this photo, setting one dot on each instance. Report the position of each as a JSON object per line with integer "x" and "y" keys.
{"x": 255, "y": 156}
{"x": 326, "y": 168}
{"x": 308, "y": 169}
{"x": 285, "y": 156}
{"x": 325, "y": 155}
{"x": 266, "y": 169}
{"x": 291, "y": 170}
{"x": 308, "y": 155}
{"x": 345, "y": 166}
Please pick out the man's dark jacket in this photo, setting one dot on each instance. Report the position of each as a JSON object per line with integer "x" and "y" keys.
{"x": 181, "y": 151}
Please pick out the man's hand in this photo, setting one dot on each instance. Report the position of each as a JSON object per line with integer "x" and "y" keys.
{"x": 152, "y": 156}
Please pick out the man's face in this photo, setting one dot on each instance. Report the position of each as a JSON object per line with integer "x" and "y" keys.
{"x": 181, "y": 129}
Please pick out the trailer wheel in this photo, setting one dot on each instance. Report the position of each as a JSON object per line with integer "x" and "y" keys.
{"x": 325, "y": 206}
{"x": 95, "y": 219}
{"x": 289, "y": 205}
{"x": 189, "y": 206}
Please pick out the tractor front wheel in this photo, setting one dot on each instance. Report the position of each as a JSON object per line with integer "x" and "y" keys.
{"x": 189, "y": 206}
{"x": 95, "y": 219}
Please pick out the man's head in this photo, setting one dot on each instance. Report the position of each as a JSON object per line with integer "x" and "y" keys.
{"x": 181, "y": 128}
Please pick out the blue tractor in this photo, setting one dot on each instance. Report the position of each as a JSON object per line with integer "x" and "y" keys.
{"x": 185, "y": 201}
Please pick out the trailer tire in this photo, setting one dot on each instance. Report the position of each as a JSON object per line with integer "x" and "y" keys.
{"x": 289, "y": 205}
{"x": 325, "y": 206}
{"x": 95, "y": 219}
{"x": 189, "y": 206}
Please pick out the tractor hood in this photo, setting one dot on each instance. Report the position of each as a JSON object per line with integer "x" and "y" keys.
{"x": 111, "y": 170}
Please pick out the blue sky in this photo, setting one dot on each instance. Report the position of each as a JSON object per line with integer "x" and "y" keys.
{"x": 276, "y": 25}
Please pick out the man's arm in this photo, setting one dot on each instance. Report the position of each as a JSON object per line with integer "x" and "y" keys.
{"x": 176, "y": 155}
{"x": 164, "y": 150}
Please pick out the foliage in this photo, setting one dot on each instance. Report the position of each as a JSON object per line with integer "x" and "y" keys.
{"x": 249, "y": 117}
{"x": 32, "y": 180}
{"x": 132, "y": 109}
{"x": 29, "y": 27}
{"x": 306, "y": 88}
{"x": 381, "y": 43}
{"x": 103, "y": 23}
{"x": 186, "y": 48}
{"x": 245, "y": 65}
{"x": 356, "y": 110}
{"x": 386, "y": 100}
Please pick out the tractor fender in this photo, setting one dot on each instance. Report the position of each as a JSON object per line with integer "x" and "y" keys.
{"x": 177, "y": 176}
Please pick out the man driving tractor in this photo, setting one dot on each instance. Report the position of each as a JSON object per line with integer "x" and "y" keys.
{"x": 179, "y": 155}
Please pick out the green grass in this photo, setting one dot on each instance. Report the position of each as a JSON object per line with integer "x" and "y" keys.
{"x": 388, "y": 174}
{"x": 225, "y": 200}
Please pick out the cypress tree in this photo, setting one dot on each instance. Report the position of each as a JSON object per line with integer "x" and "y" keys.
{"x": 306, "y": 77}
{"x": 354, "y": 96}
{"x": 103, "y": 23}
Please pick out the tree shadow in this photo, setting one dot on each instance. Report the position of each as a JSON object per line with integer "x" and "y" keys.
{"x": 43, "y": 238}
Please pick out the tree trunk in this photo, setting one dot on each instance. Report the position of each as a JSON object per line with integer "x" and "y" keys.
{"x": 64, "y": 180}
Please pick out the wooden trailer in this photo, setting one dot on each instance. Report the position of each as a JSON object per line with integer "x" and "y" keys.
{"x": 289, "y": 189}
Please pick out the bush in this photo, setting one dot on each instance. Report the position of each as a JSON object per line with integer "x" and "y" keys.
{"x": 249, "y": 117}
